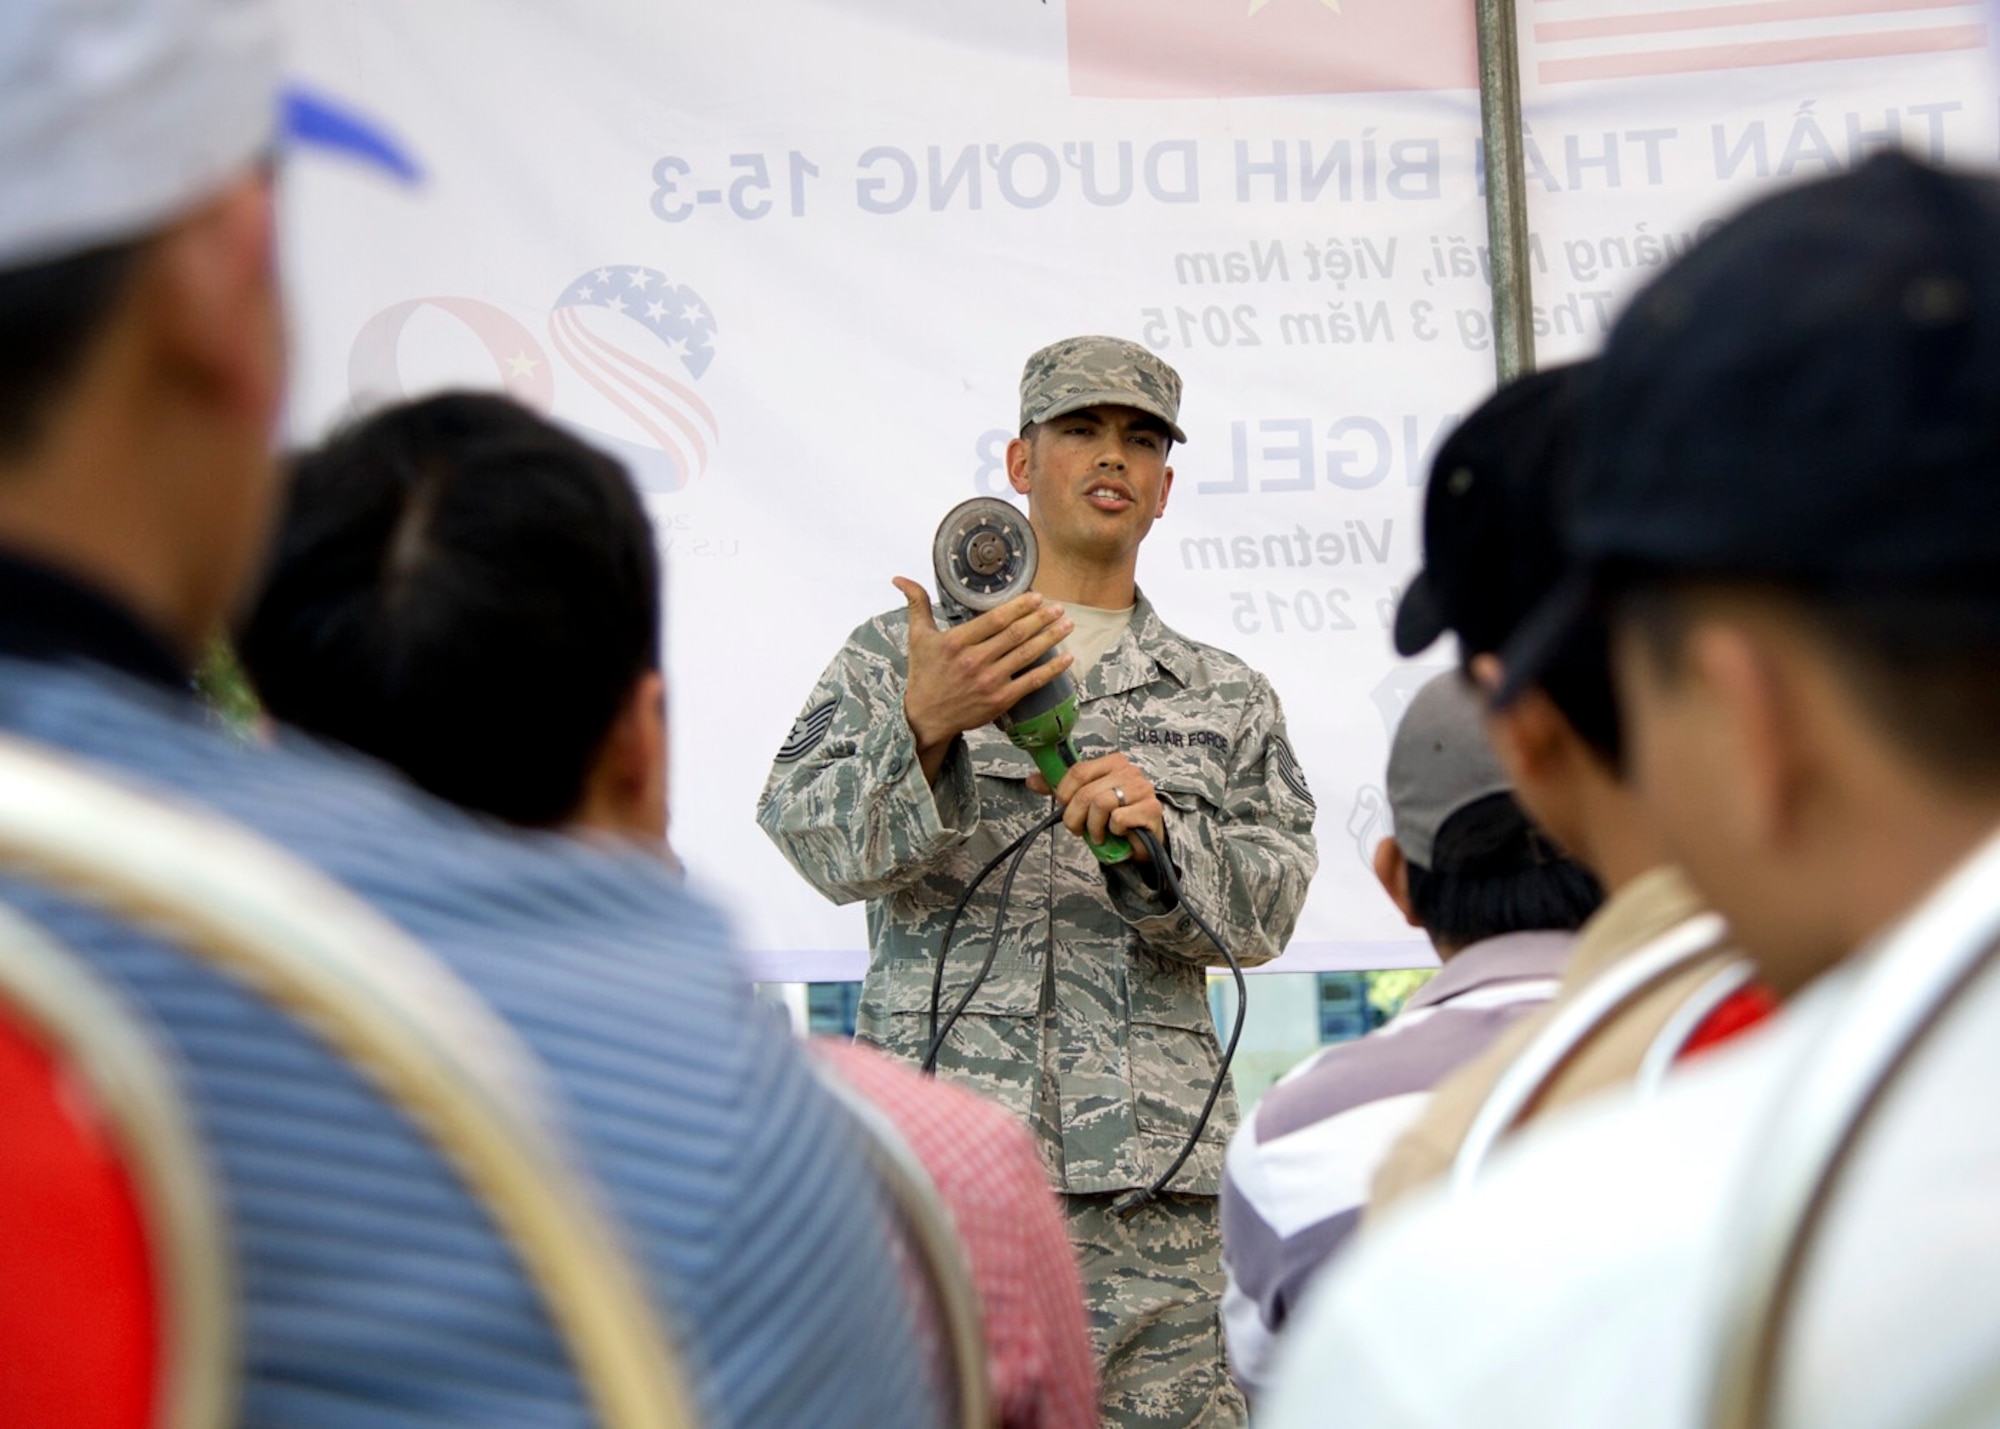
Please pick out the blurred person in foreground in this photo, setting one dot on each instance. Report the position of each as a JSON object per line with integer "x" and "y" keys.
{"x": 1788, "y": 509}
{"x": 141, "y": 370}
{"x": 472, "y": 595}
{"x": 1499, "y": 903}
{"x": 1491, "y": 554}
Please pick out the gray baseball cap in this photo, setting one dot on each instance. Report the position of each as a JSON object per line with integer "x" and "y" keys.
{"x": 1439, "y": 762}
{"x": 1081, "y": 372}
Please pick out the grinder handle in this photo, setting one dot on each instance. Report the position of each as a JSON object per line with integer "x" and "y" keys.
{"x": 1054, "y": 762}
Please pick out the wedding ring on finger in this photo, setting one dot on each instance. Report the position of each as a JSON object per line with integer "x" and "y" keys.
{"x": 1118, "y": 794}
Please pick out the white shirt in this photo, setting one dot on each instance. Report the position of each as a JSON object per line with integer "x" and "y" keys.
{"x": 1579, "y": 1284}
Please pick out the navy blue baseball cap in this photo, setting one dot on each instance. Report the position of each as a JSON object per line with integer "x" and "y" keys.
{"x": 1491, "y": 551}
{"x": 1810, "y": 399}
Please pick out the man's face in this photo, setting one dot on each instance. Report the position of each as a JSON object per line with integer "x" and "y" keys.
{"x": 1665, "y": 720}
{"x": 1708, "y": 768}
{"x": 1095, "y": 480}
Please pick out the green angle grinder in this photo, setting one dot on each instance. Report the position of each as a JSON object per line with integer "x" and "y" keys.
{"x": 985, "y": 555}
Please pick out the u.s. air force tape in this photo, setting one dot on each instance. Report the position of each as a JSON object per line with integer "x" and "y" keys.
{"x": 1289, "y": 771}
{"x": 807, "y": 731}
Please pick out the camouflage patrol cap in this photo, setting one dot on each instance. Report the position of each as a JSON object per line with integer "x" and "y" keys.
{"x": 1081, "y": 372}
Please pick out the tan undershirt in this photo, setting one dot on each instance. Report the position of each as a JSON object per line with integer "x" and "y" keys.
{"x": 1097, "y": 630}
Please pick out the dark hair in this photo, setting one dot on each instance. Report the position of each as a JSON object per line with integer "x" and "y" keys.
{"x": 49, "y": 316}
{"x": 465, "y": 591}
{"x": 1577, "y": 679}
{"x": 1923, "y": 668}
{"x": 1493, "y": 872}
{"x": 1578, "y": 682}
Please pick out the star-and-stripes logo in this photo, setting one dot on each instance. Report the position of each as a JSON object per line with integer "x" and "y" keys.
{"x": 629, "y": 334}
{"x": 642, "y": 341}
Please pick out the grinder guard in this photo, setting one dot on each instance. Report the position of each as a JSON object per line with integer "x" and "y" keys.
{"x": 984, "y": 555}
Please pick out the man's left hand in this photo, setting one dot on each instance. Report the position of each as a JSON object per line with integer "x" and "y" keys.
{"x": 1090, "y": 795}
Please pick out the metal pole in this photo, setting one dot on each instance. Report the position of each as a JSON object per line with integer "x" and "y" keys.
{"x": 1506, "y": 190}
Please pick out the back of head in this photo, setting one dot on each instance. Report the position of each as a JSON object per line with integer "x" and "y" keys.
{"x": 1805, "y": 407}
{"x": 139, "y": 332}
{"x": 466, "y": 592}
{"x": 1492, "y": 544}
{"x": 1478, "y": 867}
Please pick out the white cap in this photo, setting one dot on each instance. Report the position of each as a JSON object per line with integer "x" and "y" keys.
{"x": 117, "y": 116}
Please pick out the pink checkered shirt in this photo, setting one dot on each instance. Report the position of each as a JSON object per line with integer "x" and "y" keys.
{"x": 989, "y": 1173}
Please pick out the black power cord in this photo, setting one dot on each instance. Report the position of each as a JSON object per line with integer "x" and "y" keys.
{"x": 1131, "y": 1202}
{"x": 1019, "y": 849}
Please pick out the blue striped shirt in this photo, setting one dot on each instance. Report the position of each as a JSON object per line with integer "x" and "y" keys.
{"x": 375, "y": 1291}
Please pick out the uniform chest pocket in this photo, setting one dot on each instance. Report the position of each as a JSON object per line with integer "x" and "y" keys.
{"x": 1007, "y": 808}
{"x": 1187, "y": 762}
{"x": 1189, "y": 783}
{"x": 994, "y": 756}
{"x": 1002, "y": 760}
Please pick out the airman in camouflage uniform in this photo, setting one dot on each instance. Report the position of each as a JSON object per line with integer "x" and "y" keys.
{"x": 1093, "y": 1024}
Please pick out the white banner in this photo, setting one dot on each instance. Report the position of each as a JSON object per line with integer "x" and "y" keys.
{"x": 786, "y": 259}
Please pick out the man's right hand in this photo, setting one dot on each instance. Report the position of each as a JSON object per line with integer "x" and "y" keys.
{"x": 970, "y": 674}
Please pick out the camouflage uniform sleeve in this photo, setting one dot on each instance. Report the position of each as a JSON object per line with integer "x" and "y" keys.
{"x": 846, "y": 801}
{"x": 1244, "y": 867}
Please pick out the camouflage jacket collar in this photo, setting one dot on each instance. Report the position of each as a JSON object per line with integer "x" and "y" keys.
{"x": 1148, "y": 647}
